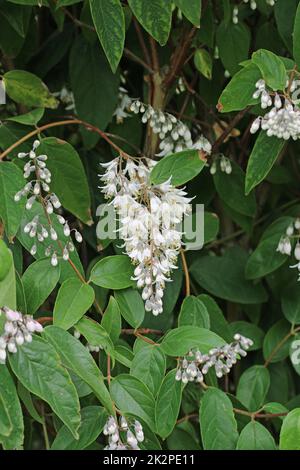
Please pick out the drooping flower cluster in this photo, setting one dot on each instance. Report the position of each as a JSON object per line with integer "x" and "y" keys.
{"x": 148, "y": 223}
{"x": 67, "y": 98}
{"x": 38, "y": 189}
{"x": 224, "y": 163}
{"x": 18, "y": 329}
{"x": 195, "y": 365}
{"x": 283, "y": 120}
{"x": 124, "y": 103}
{"x": 133, "y": 434}
{"x": 174, "y": 134}
{"x": 285, "y": 245}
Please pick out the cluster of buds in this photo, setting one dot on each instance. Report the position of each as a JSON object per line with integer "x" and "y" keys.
{"x": 175, "y": 136}
{"x": 148, "y": 216}
{"x": 285, "y": 245}
{"x": 122, "y": 435}
{"x": 283, "y": 120}
{"x": 224, "y": 163}
{"x": 38, "y": 189}
{"x": 235, "y": 14}
{"x": 253, "y": 3}
{"x": 18, "y": 329}
{"x": 195, "y": 365}
{"x": 123, "y": 106}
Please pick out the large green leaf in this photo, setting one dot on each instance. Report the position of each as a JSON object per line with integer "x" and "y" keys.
{"x": 274, "y": 344}
{"x": 238, "y": 94}
{"x": 217, "y": 423}
{"x": 8, "y": 278}
{"x": 11, "y": 181}
{"x": 224, "y": 277}
{"x": 12, "y": 437}
{"x": 254, "y": 436}
{"x": 149, "y": 365}
{"x": 233, "y": 42}
{"x": 290, "y": 431}
{"x": 93, "y": 419}
{"x": 75, "y": 357}
{"x": 193, "y": 312}
{"x": 109, "y": 22}
{"x": 131, "y": 306}
{"x": 111, "y": 319}
{"x": 191, "y": 9}
{"x": 168, "y": 404}
{"x": 133, "y": 397}
{"x": 39, "y": 280}
{"x": 113, "y": 272}
{"x": 180, "y": 341}
{"x": 154, "y": 16}
{"x": 263, "y": 156}
{"x": 28, "y": 89}
{"x": 253, "y": 387}
{"x": 272, "y": 68}
{"x": 37, "y": 365}
{"x": 68, "y": 181}
{"x": 73, "y": 300}
{"x": 180, "y": 167}
{"x": 95, "y": 334}
{"x": 217, "y": 321}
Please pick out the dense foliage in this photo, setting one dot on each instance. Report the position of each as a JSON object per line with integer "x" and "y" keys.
{"x": 142, "y": 338}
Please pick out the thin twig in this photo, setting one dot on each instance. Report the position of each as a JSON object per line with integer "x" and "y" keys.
{"x": 186, "y": 273}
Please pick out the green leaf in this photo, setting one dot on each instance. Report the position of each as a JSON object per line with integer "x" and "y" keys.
{"x": 93, "y": 419}
{"x": 224, "y": 277}
{"x": 249, "y": 330}
{"x": 11, "y": 181}
{"x": 149, "y": 365}
{"x": 38, "y": 367}
{"x": 193, "y": 312}
{"x": 231, "y": 190}
{"x": 218, "y": 323}
{"x": 39, "y": 280}
{"x": 28, "y": 89}
{"x": 191, "y": 10}
{"x": 238, "y": 94}
{"x": 113, "y": 272}
{"x": 253, "y": 387}
{"x": 75, "y": 357}
{"x": 73, "y": 300}
{"x": 8, "y": 278}
{"x": 180, "y": 167}
{"x": 168, "y": 404}
{"x": 265, "y": 259}
{"x": 64, "y": 3}
{"x": 111, "y": 319}
{"x": 217, "y": 423}
{"x": 290, "y": 303}
{"x": 180, "y": 341}
{"x": 274, "y": 344}
{"x": 69, "y": 180}
{"x": 10, "y": 402}
{"x": 286, "y": 23}
{"x": 233, "y": 42}
{"x": 86, "y": 76}
{"x": 272, "y": 68}
{"x": 29, "y": 119}
{"x": 131, "y": 306}
{"x": 290, "y": 431}
{"x": 154, "y": 16}
{"x": 254, "y": 436}
{"x": 203, "y": 63}
{"x": 5, "y": 422}
{"x": 95, "y": 334}
{"x": 109, "y": 22}
{"x": 133, "y": 397}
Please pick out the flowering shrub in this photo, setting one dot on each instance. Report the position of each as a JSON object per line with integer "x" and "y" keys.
{"x": 149, "y": 221}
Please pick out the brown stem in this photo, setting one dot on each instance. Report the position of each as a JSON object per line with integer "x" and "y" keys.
{"x": 144, "y": 331}
{"x": 229, "y": 128}
{"x": 186, "y": 273}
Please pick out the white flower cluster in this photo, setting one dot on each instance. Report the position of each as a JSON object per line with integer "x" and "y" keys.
{"x": 18, "y": 329}
{"x": 134, "y": 436}
{"x": 225, "y": 166}
{"x": 174, "y": 134}
{"x": 285, "y": 245}
{"x": 67, "y": 98}
{"x": 195, "y": 365}
{"x": 39, "y": 189}
{"x": 124, "y": 103}
{"x": 283, "y": 120}
{"x": 148, "y": 223}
